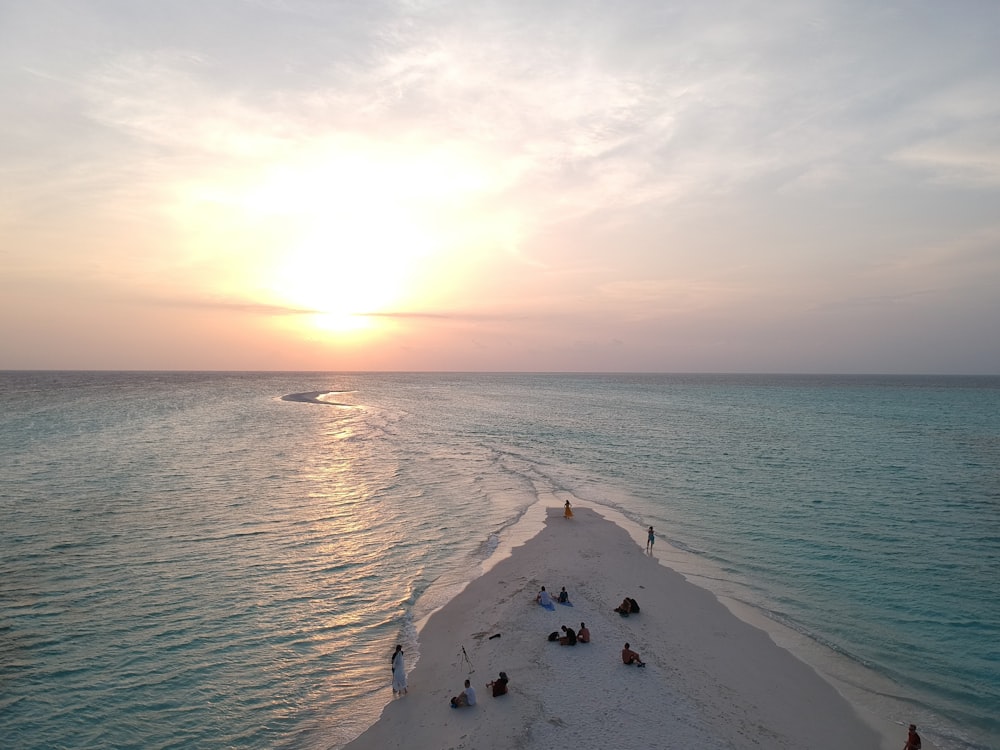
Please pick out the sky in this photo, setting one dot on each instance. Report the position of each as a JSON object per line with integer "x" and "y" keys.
{"x": 803, "y": 186}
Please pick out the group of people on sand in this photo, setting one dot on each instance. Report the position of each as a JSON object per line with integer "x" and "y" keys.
{"x": 571, "y": 637}
{"x": 545, "y": 599}
{"x": 467, "y": 697}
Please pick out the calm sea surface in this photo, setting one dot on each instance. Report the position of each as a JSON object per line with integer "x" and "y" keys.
{"x": 226, "y": 560}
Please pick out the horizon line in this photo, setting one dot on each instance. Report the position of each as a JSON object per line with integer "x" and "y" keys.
{"x": 757, "y": 373}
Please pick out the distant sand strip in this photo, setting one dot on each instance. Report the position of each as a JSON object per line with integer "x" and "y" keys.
{"x": 711, "y": 681}
{"x": 313, "y": 397}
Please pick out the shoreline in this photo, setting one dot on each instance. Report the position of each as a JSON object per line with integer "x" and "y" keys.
{"x": 712, "y": 680}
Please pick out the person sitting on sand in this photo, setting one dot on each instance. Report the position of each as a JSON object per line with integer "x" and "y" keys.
{"x": 543, "y": 598}
{"x": 466, "y": 698}
{"x": 912, "y": 739}
{"x": 627, "y": 607}
{"x": 563, "y": 596}
{"x": 568, "y": 638}
{"x": 583, "y": 634}
{"x": 499, "y": 685}
{"x": 631, "y": 657}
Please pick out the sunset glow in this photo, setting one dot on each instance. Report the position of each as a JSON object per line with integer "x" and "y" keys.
{"x": 658, "y": 187}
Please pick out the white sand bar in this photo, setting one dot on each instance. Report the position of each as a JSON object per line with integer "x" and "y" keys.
{"x": 711, "y": 680}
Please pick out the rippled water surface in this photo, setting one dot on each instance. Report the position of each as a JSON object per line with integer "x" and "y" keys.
{"x": 209, "y": 560}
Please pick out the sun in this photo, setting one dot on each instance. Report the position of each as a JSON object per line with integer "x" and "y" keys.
{"x": 344, "y": 234}
{"x": 356, "y": 231}
{"x": 349, "y": 265}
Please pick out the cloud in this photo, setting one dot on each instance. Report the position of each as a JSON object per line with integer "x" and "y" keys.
{"x": 446, "y": 316}
{"x": 642, "y": 165}
{"x": 967, "y": 158}
{"x": 220, "y": 305}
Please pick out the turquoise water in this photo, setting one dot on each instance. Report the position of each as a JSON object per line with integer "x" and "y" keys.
{"x": 190, "y": 560}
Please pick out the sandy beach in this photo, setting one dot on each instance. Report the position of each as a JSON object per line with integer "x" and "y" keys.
{"x": 711, "y": 680}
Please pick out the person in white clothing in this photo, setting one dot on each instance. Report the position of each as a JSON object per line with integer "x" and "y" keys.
{"x": 466, "y": 698}
{"x": 398, "y": 672}
{"x": 543, "y": 598}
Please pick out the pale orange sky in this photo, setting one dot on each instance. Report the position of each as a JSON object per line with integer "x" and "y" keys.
{"x": 641, "y": 186}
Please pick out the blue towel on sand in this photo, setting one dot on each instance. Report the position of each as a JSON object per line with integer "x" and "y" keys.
{"x": 567, "y": 604}
{"x": 550, "y": 607}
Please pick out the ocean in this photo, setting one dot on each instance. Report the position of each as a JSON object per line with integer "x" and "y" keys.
{"x": 204, "y": 560}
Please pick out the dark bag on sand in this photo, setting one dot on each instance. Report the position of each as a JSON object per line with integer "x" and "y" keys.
{"x": 554, "y": 635}
{"x": 635, "y": 606}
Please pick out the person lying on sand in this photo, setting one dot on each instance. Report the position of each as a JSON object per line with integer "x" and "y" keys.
{"x": 631, "y": 657}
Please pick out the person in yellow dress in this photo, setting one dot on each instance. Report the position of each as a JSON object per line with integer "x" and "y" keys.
{"x": 568, "y": 512}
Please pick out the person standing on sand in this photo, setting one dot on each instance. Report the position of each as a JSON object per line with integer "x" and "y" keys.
{"x": 398, "y": 672}
{"x": 650, "y": 538}
{"x": 567, "y": 511}
{"x": 912, "y": 739}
